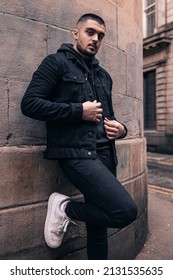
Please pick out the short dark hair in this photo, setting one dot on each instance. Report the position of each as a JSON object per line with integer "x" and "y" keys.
{"x": 91, "y": 16}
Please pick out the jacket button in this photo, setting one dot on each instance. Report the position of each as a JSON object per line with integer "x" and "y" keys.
{"x": 89, "y": 153}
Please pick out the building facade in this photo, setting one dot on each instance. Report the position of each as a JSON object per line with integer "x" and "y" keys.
{"x": 158, "y": 74}
{"x": 29, "y": 31}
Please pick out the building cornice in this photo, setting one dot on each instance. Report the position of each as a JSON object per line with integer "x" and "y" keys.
{"x": 155, "y": 44}
{"x": 158, "y": 41}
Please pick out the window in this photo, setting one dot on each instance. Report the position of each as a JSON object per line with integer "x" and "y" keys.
{"x": 150, "y": 11}
{"x": 150, "y": 100}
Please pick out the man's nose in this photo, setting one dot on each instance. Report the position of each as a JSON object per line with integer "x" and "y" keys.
{"x": 95, "y": 37}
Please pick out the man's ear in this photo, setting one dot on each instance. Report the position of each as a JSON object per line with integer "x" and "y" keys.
{"x": 75, "y": 33}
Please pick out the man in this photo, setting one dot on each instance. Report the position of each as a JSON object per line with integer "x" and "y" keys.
{"x": 72, "y": 93}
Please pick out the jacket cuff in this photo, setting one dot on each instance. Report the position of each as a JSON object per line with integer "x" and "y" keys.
{"x": 124, "y": 133}
{"x": 77, "y": 110}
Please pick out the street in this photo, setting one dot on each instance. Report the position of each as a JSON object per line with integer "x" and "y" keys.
{"x": 160, "y": 173}
{"x": 159, "y": 244}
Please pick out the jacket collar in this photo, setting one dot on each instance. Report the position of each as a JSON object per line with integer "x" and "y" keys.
{"x": 72, "y": 54}
{"x": 80, "y": 60}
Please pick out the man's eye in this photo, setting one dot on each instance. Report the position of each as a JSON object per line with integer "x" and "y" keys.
{"x": 90, "y": 32}
{"x": 101, "y": 36}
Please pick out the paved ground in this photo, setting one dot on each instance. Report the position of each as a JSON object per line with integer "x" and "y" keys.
{"x": 159, "y": 244}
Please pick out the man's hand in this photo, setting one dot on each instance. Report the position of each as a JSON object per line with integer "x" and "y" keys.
{"x": 113, "y": 129}
{"x": 92, "y": 111}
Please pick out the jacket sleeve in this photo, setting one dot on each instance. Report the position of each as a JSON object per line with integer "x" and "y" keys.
{"x": 36, "y": 102}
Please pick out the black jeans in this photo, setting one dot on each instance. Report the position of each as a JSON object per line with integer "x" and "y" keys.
{"x": 107, "y": 203}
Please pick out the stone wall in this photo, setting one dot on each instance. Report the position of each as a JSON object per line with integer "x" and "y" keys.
{"x": 29, "y": 30}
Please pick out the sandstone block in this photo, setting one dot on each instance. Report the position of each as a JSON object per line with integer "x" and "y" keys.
{"x": 22, "y": 228}
{"x": 23, "y": 130}
{"x": 4, "y": 113}
{"x": 25, "y": 176}
{"x": 129, "y": 112}
{"x": 130, "y": 43}
{"x": 131, "y": 77}
{"x": 136, "y": 159}
{"x": 57, "y": 36}
{"x": 13, "y": 7}
{"x": 25, "y": 49}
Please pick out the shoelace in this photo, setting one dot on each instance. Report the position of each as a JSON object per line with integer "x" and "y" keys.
{"x": 62, "y": 227}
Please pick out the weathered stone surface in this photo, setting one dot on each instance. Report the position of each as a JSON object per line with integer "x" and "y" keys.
{"x": 129, "y": 111}
{"x": 131, "y": 42}
{"x": 22, "y": 130}
{"x": 23, "y": 48}
{"x": 13, "y": 7}
{"x": 25, "y": 176}
{"x": 4, "y": 111}
{"x": 132, "y": 8}
{"x": 134, "y": 78}
{"x": 114, "y": 60}
{"x": 21, "y": 229}
{"x": 57, "y": 36}
{"x": 60, "y": 12}
{"x": 126, "y": 151}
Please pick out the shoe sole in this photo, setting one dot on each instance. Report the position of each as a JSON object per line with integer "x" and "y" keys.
{"x": 50, "y": 207}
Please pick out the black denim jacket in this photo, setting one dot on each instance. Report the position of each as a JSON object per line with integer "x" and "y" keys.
{"x": 55, "y": 94}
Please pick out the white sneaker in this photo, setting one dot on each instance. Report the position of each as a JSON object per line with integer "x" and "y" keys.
{"x": 56, "y": 220}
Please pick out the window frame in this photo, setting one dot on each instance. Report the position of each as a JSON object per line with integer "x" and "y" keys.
{"x": 150, "y": 28}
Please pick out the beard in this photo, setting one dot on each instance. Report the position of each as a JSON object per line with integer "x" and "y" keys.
{"x": 84, "y": 52}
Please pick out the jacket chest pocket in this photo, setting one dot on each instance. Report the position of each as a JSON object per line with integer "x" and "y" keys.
{"x": 74, "y": 88}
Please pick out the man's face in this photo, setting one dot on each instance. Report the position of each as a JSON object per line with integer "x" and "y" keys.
{"x": 88, "y": 37}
